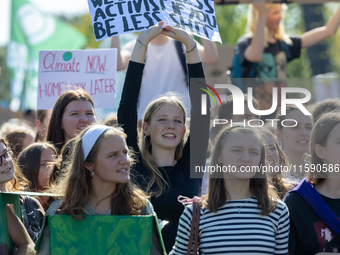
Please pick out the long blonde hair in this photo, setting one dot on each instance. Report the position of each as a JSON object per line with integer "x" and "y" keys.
{"x": 145, "y": 146}
{"x": 252, "y": 21}
{"x": 75, "y": 187}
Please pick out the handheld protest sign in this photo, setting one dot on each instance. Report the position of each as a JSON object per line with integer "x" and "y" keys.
{"x": 104, "y": 234}
{"x": 91, "y": 70}
{"x": 111, "y": 18}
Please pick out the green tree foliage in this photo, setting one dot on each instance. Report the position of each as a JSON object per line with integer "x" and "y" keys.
{"x": 84, "y": 25}
{"x": 232, "y": 21}
{"x": 5, "y": 76}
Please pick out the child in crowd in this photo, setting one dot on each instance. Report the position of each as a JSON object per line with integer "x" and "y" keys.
{"x": 277, "y": 163}
{"x": 33, "y": 163}
{"x": 263, "y": 53}
{"x": 72, "y": 113}
{"x": 43, "y": 118}
{"x": 18, "y": 137}
{"x": 97, "y": 181}
{"x": 314, "y": 205}
{"x": 240, "y": 205}
{"x": 163, "y": 167}
{"x": 294, "y": 137}
{"x": 11, "y": 179}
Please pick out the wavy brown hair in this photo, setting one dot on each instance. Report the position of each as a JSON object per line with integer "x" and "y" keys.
{"x": 19, "y": 182}
{"x": 29, "y": 162}
{"x": 16, "y": 136}
{"x": 55, "y": 134}
{"x": 320, "y": 133}
{"x": 41, "y": 114}
{"x": 145, "y": 145}
{"x": 259, "y": 186}
{"x": 327, "y": 105}
{"x": 281, "y": 187}
{"x": 75, "y": 186}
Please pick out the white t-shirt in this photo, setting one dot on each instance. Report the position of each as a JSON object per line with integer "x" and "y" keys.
{"x": 163, "y": 72}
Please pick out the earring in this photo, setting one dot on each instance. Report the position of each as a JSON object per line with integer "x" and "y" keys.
{"x": 92, "y": 174}
{"x": 145, "y": 141}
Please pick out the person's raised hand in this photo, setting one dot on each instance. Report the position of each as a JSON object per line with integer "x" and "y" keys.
{"x": 179, "y": 35}
{"x": 260, "y": 6}
{"x": 146, "y": 36}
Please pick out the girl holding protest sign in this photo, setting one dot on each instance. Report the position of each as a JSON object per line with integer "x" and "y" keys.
{"x": 314, "y": 205}
{"x": 12, "y": 180}
{"x": 240, "y": 205}
{"x": 163, "y": 168}
{"x": 97, "y": 181}
{"x": 72, "y": 112}
{"x": 264, "y": 53}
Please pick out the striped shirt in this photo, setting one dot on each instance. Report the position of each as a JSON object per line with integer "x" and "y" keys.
{"x": 236, "y": 228}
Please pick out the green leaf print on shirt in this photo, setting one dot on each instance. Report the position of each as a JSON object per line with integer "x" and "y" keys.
{"x": 104, "y": 234}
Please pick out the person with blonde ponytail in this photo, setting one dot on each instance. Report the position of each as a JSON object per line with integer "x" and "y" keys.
{"x": 97, "y": 181}
{"x": 264, "y": 52}
{"x": 163, "y": 167}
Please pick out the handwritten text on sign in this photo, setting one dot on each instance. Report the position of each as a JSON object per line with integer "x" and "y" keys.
{"x": 115, "y": 17}
{"x": 91, "y": 70}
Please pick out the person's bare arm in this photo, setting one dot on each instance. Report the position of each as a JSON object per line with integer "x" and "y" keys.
{"x": 254, "y": 51}
{"x": 317, "y": 35}
{"x": 208, "y": 51}
{"x": 18, "y": 234}
{"x": 123, "y": 57}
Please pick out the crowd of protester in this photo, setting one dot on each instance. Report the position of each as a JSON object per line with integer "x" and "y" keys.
{"x": 139, "y": 164}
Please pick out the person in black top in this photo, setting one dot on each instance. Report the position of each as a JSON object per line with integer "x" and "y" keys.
{"x": 164, "y": 162}
{"x": 314, "y": 217}
{"x": 331, "y": 240}
{"x": 266, "y": 50}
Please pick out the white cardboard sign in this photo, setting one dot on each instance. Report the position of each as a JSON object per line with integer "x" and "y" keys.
{"x": 115, "y": 17}
{"x": 91, "y": 70}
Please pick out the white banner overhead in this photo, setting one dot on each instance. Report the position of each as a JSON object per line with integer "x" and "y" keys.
{"x": 91, "y": 70}
{"x": 110, "y": 18}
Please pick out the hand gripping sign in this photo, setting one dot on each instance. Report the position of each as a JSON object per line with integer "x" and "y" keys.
{"x": 114, "y": 17}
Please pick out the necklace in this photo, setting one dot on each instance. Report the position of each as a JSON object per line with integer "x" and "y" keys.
{"x": 239, "y": 208}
